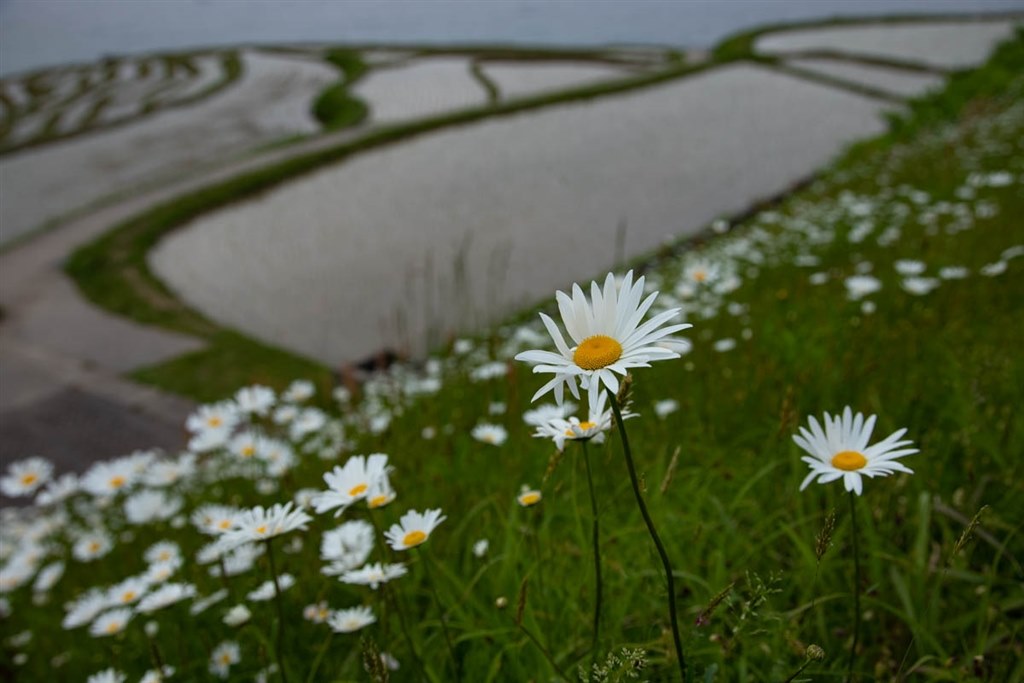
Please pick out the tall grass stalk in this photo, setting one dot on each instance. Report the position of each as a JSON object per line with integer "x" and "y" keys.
{"x": 666, "y": 563}
{"x": 597, "y": 556}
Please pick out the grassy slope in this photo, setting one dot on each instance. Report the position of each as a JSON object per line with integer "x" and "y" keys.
{"x": 947, "y": 366}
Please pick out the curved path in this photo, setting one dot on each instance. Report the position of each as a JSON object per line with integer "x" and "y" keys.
{"x": 60, "y": 356}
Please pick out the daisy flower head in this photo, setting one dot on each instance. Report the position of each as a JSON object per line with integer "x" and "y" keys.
{"x": 112, "y": 622}
{"x": 110, "y": 675}
{"x": 528, "y": 497}
{"x": 413, "y": 529}
{"x": 255, "y": 400}
{"x": 346, "y": 547}
{"x": 299, "y": 391}
{"x": 223, "y": 656}
{"x": 262, "y": 524}
{"x": 608, "y": 337}
{"x": 351, "y": 483}
{"x": 350, "y": 620}
{"x": 91, "y": 546}
{"x": 215, "y": 519}
{"x": 593, "y": 428}
{"x": 24, "y": 477}
{"x": 841, "y": 451}
{"x": 215, "y": 417}
{"x": 493, "y": 434}
{"x": 373, "y": 575}
{"x": 165, "y": 596}
{"x": 317, "y": 612}
{"x": 109, "y": 478}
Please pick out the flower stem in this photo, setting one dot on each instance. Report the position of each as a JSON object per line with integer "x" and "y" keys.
{"x": 654, "y": 535}
{"x": 440, "y": 607}
{"x": 597, "y": 557}
{"x": 280, "y": 612}
{"x": 856, "y": 588}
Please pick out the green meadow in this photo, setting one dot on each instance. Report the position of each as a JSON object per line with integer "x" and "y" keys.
{"x": 892, "y": 284}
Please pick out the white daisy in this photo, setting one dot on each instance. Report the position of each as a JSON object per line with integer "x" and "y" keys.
{"x": 255, "y": 400}
{"x": 608, "y": 336}
{"x": 350, "y": 483}
{"x": 480, "y": 547}
{"x": 841, "y": 451}
{"x": 215, "y": 519}
{"x": 85, "y": 608}
{"x": 546, "y": 412}
{"x": 261, "y": 524}
{"x": 165, "y": 596}
{"x": 237, "y": 615}
{"x": 203, "y": 604}
{"x": 162, "y": 551}
{"x": 909, "y": 267}
{"x": 572, "y": 429}
{"x": 223, "y": 656}
{"x": 58, "y": 490}
{"x": 298, "y": 391}
{"x": 111, "y": 623}
{"x": 495, "y": 435}
{"x": 349, "y": 620}
{"x": 216, "y": 417}
{"x": 528, "y": 497}
{"x": 266, "y": 590}
{"x": 109, "y": 478}
{"x": 127, "y": 592}
{"x": 666, "y": 407}
{"x": 154, "y": 676}
{"x": 25, "y": 476}
{"x": 919, "y": 286}
{"x": 413, "y": 528}
{"x": 48, "y": 577}
{"x": 316, "y": 613}
{"x": 107, "y": 676}
{"x": 858, "y": 286}
{"x": 150, "y": 505}
{"x": 373, "y": 575}
{"x": 244, "y": 444}
{"x": 91, "y": 546}
{"x": 347, "y": 547}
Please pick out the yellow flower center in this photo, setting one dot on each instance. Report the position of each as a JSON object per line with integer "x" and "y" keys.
{"x": 127, "y": 596}
{"x": 531, "y": 498}
{"x": 849, "y": 461}
{"x": 261, "y": 529}
{"x": 248, "y": 451}
{"x": 94, "y": 547}
{"x": 584, "y": 426}
{"x": 116, "y": 481}
{"x": 377, "y": 501}
{"x": 225, "y": 659}
{"x": 113, "y": 627}
{"x": 29, "y": 479}
{"x": 414, "y": 538}
{"x": 224, "y": 524}
{"x": 357, "y": 489}
{"x": 597, "y": 352}
{"x": 214, "y": 421}
{"x": 700, "y": 276}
